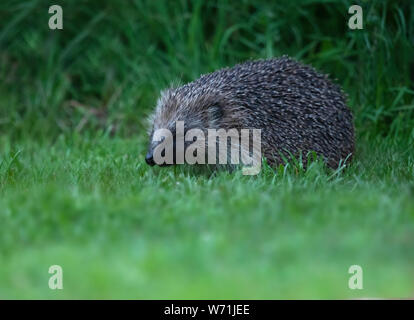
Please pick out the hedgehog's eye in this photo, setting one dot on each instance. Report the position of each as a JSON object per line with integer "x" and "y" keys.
{"x": 161, "y": 140}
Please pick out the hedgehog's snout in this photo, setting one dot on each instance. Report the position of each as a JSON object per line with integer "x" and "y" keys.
{"x": 149, "y": 158}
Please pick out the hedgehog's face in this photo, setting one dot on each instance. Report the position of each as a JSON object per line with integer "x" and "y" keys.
{"x": 174, "y": 117}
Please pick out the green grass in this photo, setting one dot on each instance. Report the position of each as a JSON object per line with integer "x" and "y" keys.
{"x": 75, "y": 190}
{"x": 121, "y": 230}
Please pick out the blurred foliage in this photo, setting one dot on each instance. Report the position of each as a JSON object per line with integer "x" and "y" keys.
{"x": 104, "y": 70}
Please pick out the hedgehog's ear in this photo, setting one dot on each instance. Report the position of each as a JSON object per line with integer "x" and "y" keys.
{"x": 215, "y": 114}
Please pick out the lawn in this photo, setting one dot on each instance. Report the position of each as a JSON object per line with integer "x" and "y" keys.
{"x": 75, "y": 190}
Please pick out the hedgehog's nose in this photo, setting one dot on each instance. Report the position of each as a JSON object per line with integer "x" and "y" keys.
{"x": 149, "y": 159}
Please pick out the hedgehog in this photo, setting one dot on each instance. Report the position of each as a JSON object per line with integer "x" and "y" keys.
{"x": 299, "y": 110}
